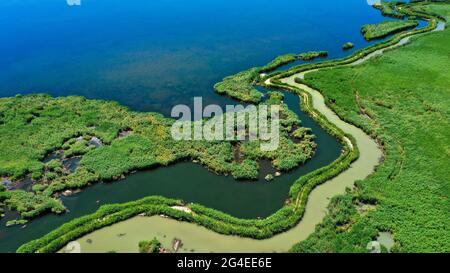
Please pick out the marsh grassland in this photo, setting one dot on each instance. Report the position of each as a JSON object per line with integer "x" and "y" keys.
{"x": 402, "y": 98}
{"x": 389, "y": 9}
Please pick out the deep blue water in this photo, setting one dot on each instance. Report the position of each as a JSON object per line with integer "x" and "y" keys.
{"x": 152, "y": 54}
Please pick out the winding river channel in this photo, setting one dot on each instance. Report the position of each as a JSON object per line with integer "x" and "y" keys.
{"x": 187, "y": 181}
{"x": 200, "y": 239}
{"x": 125, "y": 236}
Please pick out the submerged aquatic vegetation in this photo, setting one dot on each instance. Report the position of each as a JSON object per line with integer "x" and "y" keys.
{"x": 308, "y": 56}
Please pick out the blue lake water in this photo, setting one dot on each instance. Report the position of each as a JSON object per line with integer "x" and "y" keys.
{"x": 152, "y": 54}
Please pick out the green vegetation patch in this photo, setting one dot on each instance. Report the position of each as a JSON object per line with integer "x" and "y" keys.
{"x": 308, "y": 56}
{"x": 241, "y": 86}
{"x": 383, "y": 29}
{"x": 407, "y": 93}
{"x": 29, "y": 204}
{"x": 389, "y": 9}
{"x": 35, "y": 126}
{"x": 348, "y": 45}
{"x": 152, "y": 246}
{"x": 437, "y": 10}
{"x": 289, "y": 58}
{"x": 16, "y": 222}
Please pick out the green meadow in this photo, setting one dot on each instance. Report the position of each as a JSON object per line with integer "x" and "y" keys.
{"x": 403, "y": 99}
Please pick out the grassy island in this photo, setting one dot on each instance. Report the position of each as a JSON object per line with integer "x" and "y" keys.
{"x": 111, "y": 141}
{"x": 241, "y": 86}
{"x": 383, "y": 29}
{"x": 289, "y": 58}
{"x": 348, "y": 45}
